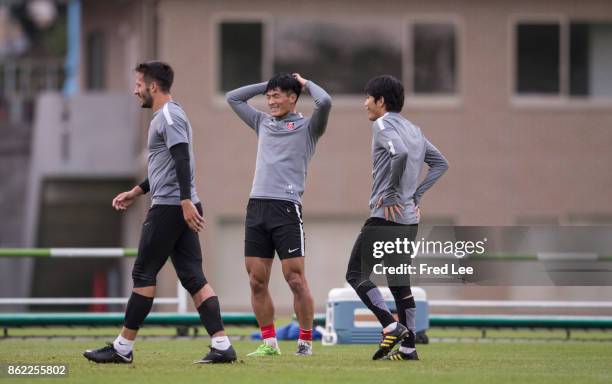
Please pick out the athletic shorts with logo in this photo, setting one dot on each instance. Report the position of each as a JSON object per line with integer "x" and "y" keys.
{"x": 274, "y": 225}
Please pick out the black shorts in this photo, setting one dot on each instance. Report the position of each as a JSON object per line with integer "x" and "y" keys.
{"x": 360, "y": 265}
{"x": 273, "y": 225}
{"x": 166, "y": 234}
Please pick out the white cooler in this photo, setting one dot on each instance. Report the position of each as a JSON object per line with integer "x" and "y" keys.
{"x": 349, "y": 321}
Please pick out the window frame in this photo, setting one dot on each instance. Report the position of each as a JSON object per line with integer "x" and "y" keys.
{"x": 338, "y": 19}
{"x": 432, "y": 100}
{"x": 91, "y": 82}
{"x": 563, "y": 99}
{"x": 219, "y": 18}
{"x": 449, "y": 101}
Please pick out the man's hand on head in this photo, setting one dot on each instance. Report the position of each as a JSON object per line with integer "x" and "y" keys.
{"x": 300, "y": 79}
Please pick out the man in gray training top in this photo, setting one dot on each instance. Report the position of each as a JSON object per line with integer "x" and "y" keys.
{"x": 399, "y": 149}
{"x": 286, "y": 143}
{"x": 172, "y": 224}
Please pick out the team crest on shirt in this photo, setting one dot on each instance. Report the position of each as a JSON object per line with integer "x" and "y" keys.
{"x": 290, "y": 125}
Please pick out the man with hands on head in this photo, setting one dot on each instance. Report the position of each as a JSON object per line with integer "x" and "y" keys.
{"x": 286, "y": 142}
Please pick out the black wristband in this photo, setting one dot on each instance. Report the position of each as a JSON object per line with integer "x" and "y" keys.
{"x": 145, "y": 186}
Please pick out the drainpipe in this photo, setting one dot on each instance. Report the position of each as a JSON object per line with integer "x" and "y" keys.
{"x": 71, "y": 84}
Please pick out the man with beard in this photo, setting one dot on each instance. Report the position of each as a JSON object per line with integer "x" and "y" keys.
{"x": 172, "y": 223}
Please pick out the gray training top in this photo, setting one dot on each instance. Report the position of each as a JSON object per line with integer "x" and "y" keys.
{"x": 398, "y": 151}
{"x": 168, "y": 127}
{"x": 284, "y": 145}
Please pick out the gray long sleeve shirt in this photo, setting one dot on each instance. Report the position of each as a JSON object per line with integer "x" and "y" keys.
{"x": 284, "y": 145}
{"x": 399, "y": 149}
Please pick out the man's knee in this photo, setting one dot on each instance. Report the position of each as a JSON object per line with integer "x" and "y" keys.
{"x": 297, "y": 282}
{"x": 258, "y": 270}
{"x": 354, "y": 272}
{"x": 353, "y": 279}
{"x": 193, "y": 282}
{"x": 258, "y": 283}
{"x": 141, "y": 278}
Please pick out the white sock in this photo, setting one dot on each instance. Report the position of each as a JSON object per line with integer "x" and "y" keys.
{"x": 406, "y": 350}
{"x": 221, "y": 343}
{"x": 123, "y": 345}
{"x": 390, "y": 328}
{"x": 300, "y": 341}
{"x": 271, "y": 341}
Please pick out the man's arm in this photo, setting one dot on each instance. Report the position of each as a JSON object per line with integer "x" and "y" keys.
{"x": 175, "y": 132}
{"x": 180, "y": 155}
{"x": 237, "y": 100}
{"x": 320, "y": 115}
{"x": 437, "y": 166}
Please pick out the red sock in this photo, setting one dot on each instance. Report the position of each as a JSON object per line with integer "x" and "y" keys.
{"x": 268, "y": 331}
{"x": 306, "y": 334}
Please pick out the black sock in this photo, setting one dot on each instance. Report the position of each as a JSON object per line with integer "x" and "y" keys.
{"x": 370, "y": 295}
{"x": 406, "y": 312}
{"x": 210, "y": 314}
{"x": 138, "y": 308}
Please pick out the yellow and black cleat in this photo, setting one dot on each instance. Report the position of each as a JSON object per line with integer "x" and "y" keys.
{"x": 398, "y": 356}
{"x": 389, "y": 340}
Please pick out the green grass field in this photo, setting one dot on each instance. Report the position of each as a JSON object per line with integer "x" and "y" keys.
{"x": 170, "y": 360}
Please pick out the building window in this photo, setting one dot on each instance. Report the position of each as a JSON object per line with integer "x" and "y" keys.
{"x": 341, "y": 55}
{"x": 96, "y": 65}
{"x": 538, "y": 58}
{"x": 564, "y": 59}
{"x": 241, "y": 52}
{"x": 590, "y": 59}
{"x": 434, "y": 59}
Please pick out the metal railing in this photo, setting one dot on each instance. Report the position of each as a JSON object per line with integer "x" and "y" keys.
{"x": 181, "y": 298}
{"x": 22, "y": 80}
{"x": 181, "y": 294}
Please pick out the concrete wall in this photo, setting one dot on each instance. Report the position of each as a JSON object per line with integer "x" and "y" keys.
{"x": 87, "y": 137}
{"x": 14, "y": 165}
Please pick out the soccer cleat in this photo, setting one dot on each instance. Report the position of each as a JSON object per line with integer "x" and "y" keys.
{"x": 389, "y": 340}
{"x": 217, "y": 356}
{"x": 304, "y": 349}
{"x": 398, "y": 355}
{"x": 265, "y": 350}
{"x": 107, "y": 355}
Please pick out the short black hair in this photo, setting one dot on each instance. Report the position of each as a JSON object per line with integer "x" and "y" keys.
{"x": 388, "y": 87}
{"x": 286, "y": 83}
{"x": 159, "y": 72}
